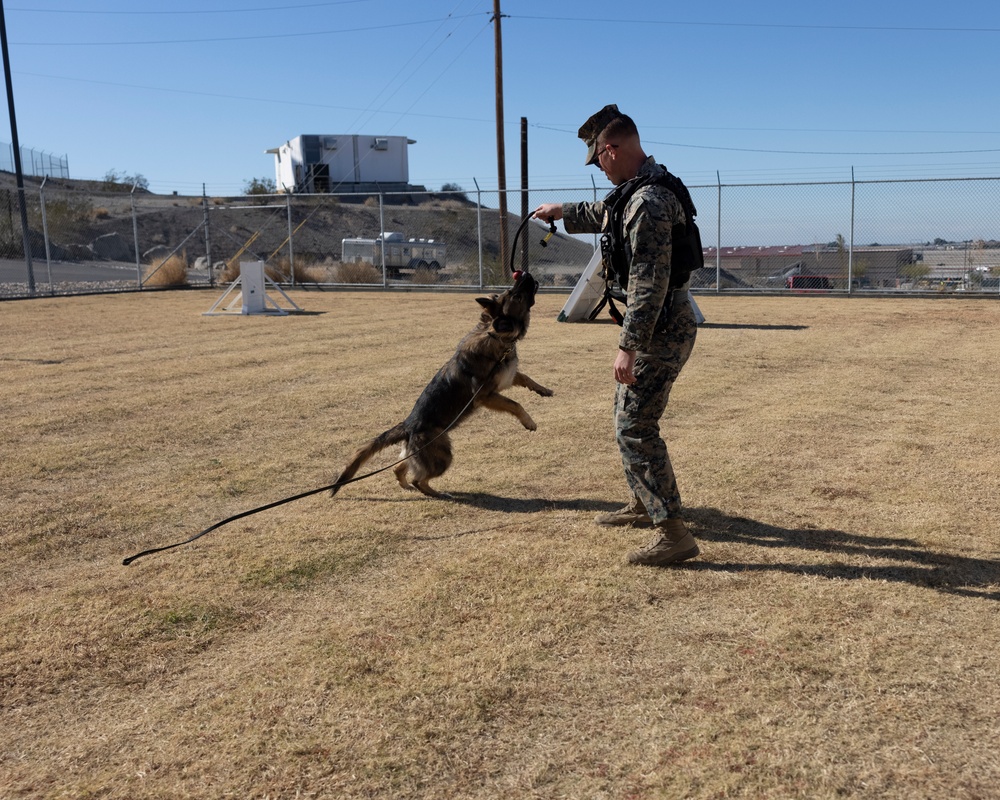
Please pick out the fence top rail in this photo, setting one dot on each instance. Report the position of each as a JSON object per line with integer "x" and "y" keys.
{"x": 265, "y": 200}
{"x": 846, "y": 182}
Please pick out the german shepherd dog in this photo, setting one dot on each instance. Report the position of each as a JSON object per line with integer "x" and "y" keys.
{"x": 483, "y": 365}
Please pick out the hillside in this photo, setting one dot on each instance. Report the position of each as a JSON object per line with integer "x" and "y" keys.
{"x": 81, "y": 212}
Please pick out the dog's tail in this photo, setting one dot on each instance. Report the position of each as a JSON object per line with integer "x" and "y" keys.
{"x": 394, "y": 435}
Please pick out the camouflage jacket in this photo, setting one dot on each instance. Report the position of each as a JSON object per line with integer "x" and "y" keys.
{"x": 649, "y": 218}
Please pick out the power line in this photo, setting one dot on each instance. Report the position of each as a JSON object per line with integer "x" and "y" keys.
{"x": 244, "y": 98}
{"x": 411, "y": 113}
{"x": 239, "y": 38}
{"x": 369, "y": 109}
{"x": 830, "y": 152}
{"x": 189, "y": 12}
{"x": 777, "y": 26}
{"x": 813, "y": 152}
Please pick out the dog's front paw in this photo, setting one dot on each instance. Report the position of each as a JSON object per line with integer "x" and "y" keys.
{"x": 544, "y": 392}
{"x": 529, "y": 423}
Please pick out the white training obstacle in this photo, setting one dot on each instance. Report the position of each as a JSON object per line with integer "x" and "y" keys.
{"x": 251, "y": 294}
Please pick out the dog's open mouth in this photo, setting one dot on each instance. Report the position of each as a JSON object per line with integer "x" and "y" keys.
{"x": 525, "y": 286}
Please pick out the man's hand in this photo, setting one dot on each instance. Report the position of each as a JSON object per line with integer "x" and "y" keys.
{"x": 549, "y": 211}
{"x": 625, "y": 367}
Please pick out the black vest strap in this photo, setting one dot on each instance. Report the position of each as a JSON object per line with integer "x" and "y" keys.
{"x": 686, "y": 254}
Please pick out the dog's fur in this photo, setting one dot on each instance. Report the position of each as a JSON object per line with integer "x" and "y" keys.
{"x": 484, "y": 364}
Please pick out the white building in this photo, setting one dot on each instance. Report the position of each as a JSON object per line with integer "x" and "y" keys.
{"x": 343, "y": 163}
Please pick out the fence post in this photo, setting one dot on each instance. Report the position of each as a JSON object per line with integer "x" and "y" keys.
{"x": 718, "y": 233}
{"x": 593, "y": 186}
{"x": 479, "y": 228}
{"x": 381, "y": 235}
{"x": 291, "y": 254}
{"x": 135, "y": 235}
{"x": 850, "y": 245}
{"x": 208, "y": 240}
{"x": 45, "y": 235}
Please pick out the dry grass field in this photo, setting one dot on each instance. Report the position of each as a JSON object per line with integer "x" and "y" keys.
{"x": 838, "y": 637}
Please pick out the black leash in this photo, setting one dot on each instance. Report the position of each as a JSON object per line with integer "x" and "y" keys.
{"x": 276, "y": 503}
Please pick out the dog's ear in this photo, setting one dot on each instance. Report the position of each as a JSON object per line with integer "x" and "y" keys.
{"x": 491, "y": 305}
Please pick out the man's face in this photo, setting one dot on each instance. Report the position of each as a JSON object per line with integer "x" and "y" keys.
{"x": 608, "y": 162}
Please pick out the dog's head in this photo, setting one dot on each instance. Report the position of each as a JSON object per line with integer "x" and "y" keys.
{"x": 507, "y": 315}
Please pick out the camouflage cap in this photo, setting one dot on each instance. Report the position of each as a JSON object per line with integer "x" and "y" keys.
{"x": 592, "y": 128}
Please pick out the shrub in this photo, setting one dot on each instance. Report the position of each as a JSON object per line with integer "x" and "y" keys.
{"x": 172, "y": 272}
{"x": 115, "y": 181}
{"x": 358, "y": 272}
{"x": 425, "y": 276}
{"x": 279, "y": 270}
{"x": 231, "y": 271}
{"x": 259, "y": 190}
{"x": 259, "y": 186}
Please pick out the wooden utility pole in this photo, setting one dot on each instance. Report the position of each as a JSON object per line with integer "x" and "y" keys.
{"x": 501, "y": 158}
{"x": 524, "y": 189}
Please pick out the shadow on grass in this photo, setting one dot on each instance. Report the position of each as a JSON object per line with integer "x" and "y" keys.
{"x": 742, "y": 327}
{"x": 529, "y": 505}
{"x": 733, "y": 326}
{"x": 516, "y": 505}
{"x": 911, "y": 562}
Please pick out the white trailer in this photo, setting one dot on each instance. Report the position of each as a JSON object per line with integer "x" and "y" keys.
{"x": 400, "y": 253}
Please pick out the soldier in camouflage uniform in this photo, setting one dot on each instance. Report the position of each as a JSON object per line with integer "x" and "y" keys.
{"x": 658, "y": 330}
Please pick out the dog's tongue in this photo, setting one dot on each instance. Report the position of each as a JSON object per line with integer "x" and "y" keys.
{"x": 517, "y": 275}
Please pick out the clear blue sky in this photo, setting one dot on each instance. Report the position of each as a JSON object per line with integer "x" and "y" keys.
{"x": 192, "y": 92}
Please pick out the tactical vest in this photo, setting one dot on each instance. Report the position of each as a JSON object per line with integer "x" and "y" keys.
{"x": 686, "y": 254}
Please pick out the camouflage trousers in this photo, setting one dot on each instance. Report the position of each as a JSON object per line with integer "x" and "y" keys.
{"x": 639, "y": 407}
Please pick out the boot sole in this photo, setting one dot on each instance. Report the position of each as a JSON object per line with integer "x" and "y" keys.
{"x": 621, "y": 523}
{"x": 666, "y": 561}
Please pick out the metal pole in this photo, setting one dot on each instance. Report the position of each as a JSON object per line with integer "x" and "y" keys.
{"x": 718, "y": 234}
{"x": 381, "y": 235}
{"x": 135, "y": 235}
{"x": 850, "y": 246}
{"x": 45, "y": 234}
{"x": 291, "y": 254}
{"x": 479, "y": 228}
{"x": 16, "y": 148}
{"x": 208, "y": 240}
{"x": 594, "y": 187}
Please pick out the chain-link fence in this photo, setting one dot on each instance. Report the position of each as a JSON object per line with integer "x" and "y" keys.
{"x": 34, "y": 162}
{"x": 842, "y": 237}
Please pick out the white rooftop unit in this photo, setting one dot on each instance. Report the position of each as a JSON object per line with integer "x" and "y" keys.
{"x": 342, "y": 163}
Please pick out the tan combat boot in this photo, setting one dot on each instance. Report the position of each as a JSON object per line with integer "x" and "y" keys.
{"x": 671, "y": 545}
{"x": 632, "y": 514}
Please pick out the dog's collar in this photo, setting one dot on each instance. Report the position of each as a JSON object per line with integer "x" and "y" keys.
{"x": 507, "y": 352}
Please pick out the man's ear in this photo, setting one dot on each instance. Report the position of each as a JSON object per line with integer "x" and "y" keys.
{"x": 491, "y": 305}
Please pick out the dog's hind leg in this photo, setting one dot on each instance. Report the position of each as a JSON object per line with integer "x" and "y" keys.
{"x": 430, "y": 459}
{"x": 426, "y": 489}
{"x": 400, "y": 471}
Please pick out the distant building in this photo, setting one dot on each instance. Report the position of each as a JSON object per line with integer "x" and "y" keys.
{"x": 314, "y": 164}
{"x": 773, "y": 266}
